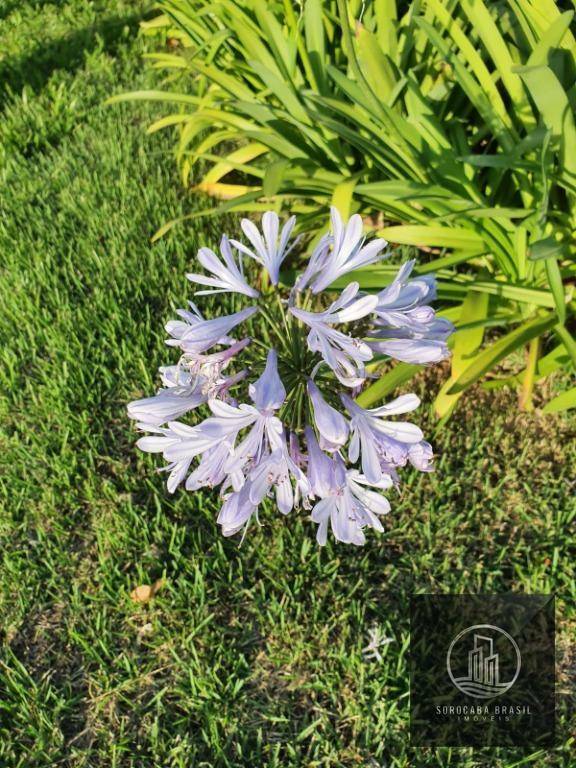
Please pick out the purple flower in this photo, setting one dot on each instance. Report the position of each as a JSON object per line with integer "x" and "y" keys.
{"x": 348, "y": 252}
{"x": 344, "y": 354}
{"x": 228, "y": 277}
{"x": 344, "y": 502}
{"x": 407, "y": 328}
{"x": 269, "y": 249}
{"x": 195, "y": 335}
{"x": 276, "y": 471}
{"x": 196, "y": 379}
{"x": 279, "y": 440}
{"x": 211, "y": 471}
{"x": 381, "y": 443}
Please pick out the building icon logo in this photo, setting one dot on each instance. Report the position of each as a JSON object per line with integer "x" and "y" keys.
{"x": 476, "y": 645}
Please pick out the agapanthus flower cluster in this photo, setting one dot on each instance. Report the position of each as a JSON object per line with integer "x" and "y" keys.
{"x": 268, "y": 392}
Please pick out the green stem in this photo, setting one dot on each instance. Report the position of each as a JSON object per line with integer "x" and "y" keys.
{"x": 275, "y": 327}
{"x": 525, "y": 402}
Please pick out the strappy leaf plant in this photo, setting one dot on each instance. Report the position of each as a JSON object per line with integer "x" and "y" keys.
{"x": 448, "y": 124}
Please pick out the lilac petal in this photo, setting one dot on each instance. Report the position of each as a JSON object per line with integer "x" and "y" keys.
{"x": 375, "y": 502}
{"x": 270, "y": 228}
{"x": 260, "y": 481}
{"x": 357, "y": 310}
{"x": 317, "y": 262}
{"x": 167, "y": 405}
{"x": 177, "y": 475}
{"x": 384, "y": 483}
{"x": 370, "y": 459}
{"x": 403, "y": 431}
{"x": 322, "y": 532}
{"x": 322, "y": 509}
{"x": 206, "y": 333}
{"x": 284, "y": 496}
{"x": 154, "y": 443}
{"x": 268, "y": 393}
{"x": 421, "y": 456}
{"x": 320, "y": 466}
{"x": 285, "y": 235}
{"x": 345, "y": 243}
{"x": 236, "y": 512}
{"x": 331, "y": 424}
{"x": 354, "y": 447}
{"x": 402, "y": 404}
{"x": 252, "y": 233}
{"x": 417, "y": 352}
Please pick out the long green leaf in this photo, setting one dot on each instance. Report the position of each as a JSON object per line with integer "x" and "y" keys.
{"x": 315, "y": 43}
{"x": 556, "y": 287}
{"x": 400, "y": 374}
{"x": 556, "y": 111}
{"x": 562, "y": 402}
{"x": 492, "y": 355}
{"x": 426, "y": 236}
{"x": 166, "y": 96}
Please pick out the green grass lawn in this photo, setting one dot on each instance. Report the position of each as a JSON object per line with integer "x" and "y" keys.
{"x": 247, "y": 656}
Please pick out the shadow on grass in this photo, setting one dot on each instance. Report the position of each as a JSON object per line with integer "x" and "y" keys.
{"x": 65, "y": 53}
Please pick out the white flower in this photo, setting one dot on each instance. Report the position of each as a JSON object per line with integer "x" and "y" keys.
{"x": 269, "y": 250}
{"x": 344, "y": 354}
{"x": 228, "y": 277}
{"x": 348, "y": 252}
{"x": 406, "y": 328}
{"x": 381, "y": 443}
{"x": 196, "y": 335}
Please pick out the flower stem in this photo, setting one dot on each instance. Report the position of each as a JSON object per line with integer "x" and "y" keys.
{"x": 525, "y": 401}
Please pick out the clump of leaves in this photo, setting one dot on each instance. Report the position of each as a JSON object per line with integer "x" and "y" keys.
{"x": 453, "y": 119}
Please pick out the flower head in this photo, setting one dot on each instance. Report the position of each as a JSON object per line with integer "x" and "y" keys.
{"x": 283, "y": 429}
